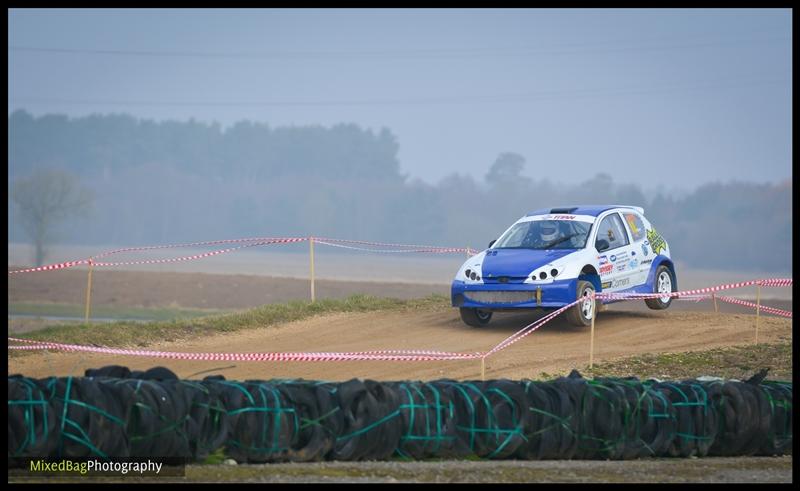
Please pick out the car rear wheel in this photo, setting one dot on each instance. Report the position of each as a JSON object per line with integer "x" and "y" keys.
{"x": 662, "y": 284}
{"x": 581, "y": 314}
{"x": 475, "y": 317}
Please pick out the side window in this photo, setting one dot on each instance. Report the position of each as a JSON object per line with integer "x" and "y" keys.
{"x": 636, "y": 226}
{"x": 612, "y": 230}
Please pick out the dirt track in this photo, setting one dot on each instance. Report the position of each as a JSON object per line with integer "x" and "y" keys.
{"x": 625, "y": 329}
{"x": 555, "y": 348}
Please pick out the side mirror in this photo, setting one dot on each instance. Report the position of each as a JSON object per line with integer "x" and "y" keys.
{"x": 492, "y": 243}
{"x": 601, "y": 245}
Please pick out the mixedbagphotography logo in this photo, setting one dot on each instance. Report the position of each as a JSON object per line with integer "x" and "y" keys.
{"x": 99, "y": 467}
{"x": 44, "y": 466}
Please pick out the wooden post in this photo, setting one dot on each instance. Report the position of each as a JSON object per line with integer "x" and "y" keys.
{"x": 714, "y": 296}
{"x": 591, "y": 342}
{"x": 311, "y": 248}
{"x": 88, "y": 293}
{"x": 483, "y": 368}
{"x": 758, "y": 307}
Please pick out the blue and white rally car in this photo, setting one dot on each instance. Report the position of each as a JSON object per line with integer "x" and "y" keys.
{"x": 551, "y": 257}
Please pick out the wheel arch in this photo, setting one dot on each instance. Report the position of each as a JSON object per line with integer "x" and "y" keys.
{"x": 665, "y": 261}
{"x": 589, "y": 273}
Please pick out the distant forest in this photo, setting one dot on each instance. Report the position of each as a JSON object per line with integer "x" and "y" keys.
{"x": 167, "y": 182}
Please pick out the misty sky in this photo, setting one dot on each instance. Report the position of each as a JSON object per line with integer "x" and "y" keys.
{"x": 652, "y": 97}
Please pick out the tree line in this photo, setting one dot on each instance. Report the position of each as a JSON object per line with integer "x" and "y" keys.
{"x": 165, "y": 182}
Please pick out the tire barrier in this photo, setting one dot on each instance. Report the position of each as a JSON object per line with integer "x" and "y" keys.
{"x": 261, "y": 426}
{"x": 428, "y": 421}
{"x": 116, "y": 412}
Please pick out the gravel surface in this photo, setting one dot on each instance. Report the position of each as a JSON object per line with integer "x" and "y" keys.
{"x": 707, "y": 470}
{"x": 691, "y": 470}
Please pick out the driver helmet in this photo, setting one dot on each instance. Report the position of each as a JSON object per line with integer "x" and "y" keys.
{"x": 548, "y": 231}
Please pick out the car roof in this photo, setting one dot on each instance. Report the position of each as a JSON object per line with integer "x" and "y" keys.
{"x": 591, "y": 210}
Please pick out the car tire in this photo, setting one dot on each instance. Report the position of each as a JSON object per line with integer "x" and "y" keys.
{"x": 475, "y": 317}
{"x": 663, "y": 283}
{"x": 581, "y": 314}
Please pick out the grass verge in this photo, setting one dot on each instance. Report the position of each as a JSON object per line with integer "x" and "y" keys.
{"x": 107, "y": 312}
{"x": 137, "y": 334}
{"x": 737, "y": 362}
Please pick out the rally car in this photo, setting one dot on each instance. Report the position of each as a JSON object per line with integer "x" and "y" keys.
{"x": 552, "y": 257}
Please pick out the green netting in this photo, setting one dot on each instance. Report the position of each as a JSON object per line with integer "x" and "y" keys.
{"x": 154, "y": 414}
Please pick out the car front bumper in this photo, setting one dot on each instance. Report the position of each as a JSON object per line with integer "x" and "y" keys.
{"x": 514, "y": 295}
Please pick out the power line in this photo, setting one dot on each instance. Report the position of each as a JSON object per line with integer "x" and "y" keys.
{"x": 564, "y": 49}
{"x": 528, "y": 96}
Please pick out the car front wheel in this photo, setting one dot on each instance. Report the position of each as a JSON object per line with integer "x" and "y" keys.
{"x": 581, "y": 314}
{"x": 662, "y": 284}
{"x": 475, "y": 317}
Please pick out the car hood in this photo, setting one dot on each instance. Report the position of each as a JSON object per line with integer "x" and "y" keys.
{"x": 518, "y": 262}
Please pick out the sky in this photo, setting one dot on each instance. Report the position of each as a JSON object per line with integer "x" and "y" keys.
{"x": 664, "y": 99}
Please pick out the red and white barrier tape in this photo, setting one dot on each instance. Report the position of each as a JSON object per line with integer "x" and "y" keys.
{"x": 50, "y": 267}
{"x": 251, "y": 242}
{"x": 696, "y": 295}
{"x": 92, "y": 260}
{"x": 377, "y": 244}
{"x": 448, "y": 354}
{"x": 695, "y": 298}
{"x": 422, "y": 248}
{"x": 409, "y": 247}
{"x": 389, "y": 355}
{"x": 438, "y": 250}
{"x": 198, "y": 256}
{"x": 764, "y": 308}
{"x": 197, "y": 244}
{"x": 528, "y": 329}
{"x": 773, "y": 282}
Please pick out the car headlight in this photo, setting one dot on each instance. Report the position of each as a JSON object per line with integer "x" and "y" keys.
{"x": 471, "y": 274}
{"x": 548, "y": 272}
{"x": 470, "y": 270}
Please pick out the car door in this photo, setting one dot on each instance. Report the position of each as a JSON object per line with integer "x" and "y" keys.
{"x": 642, "y": 253}
{"x": 617, "y": 254}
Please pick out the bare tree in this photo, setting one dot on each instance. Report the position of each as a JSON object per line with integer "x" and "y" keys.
{"x": 46, "y": 199}
{"x": 507, "y": 171}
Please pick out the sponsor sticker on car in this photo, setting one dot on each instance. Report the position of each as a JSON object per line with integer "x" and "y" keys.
{"x": 620, "y": 282}
{"x": 656, "y": 241}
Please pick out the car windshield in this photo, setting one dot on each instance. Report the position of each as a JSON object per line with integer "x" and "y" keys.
{"x": 545, "y": 234}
